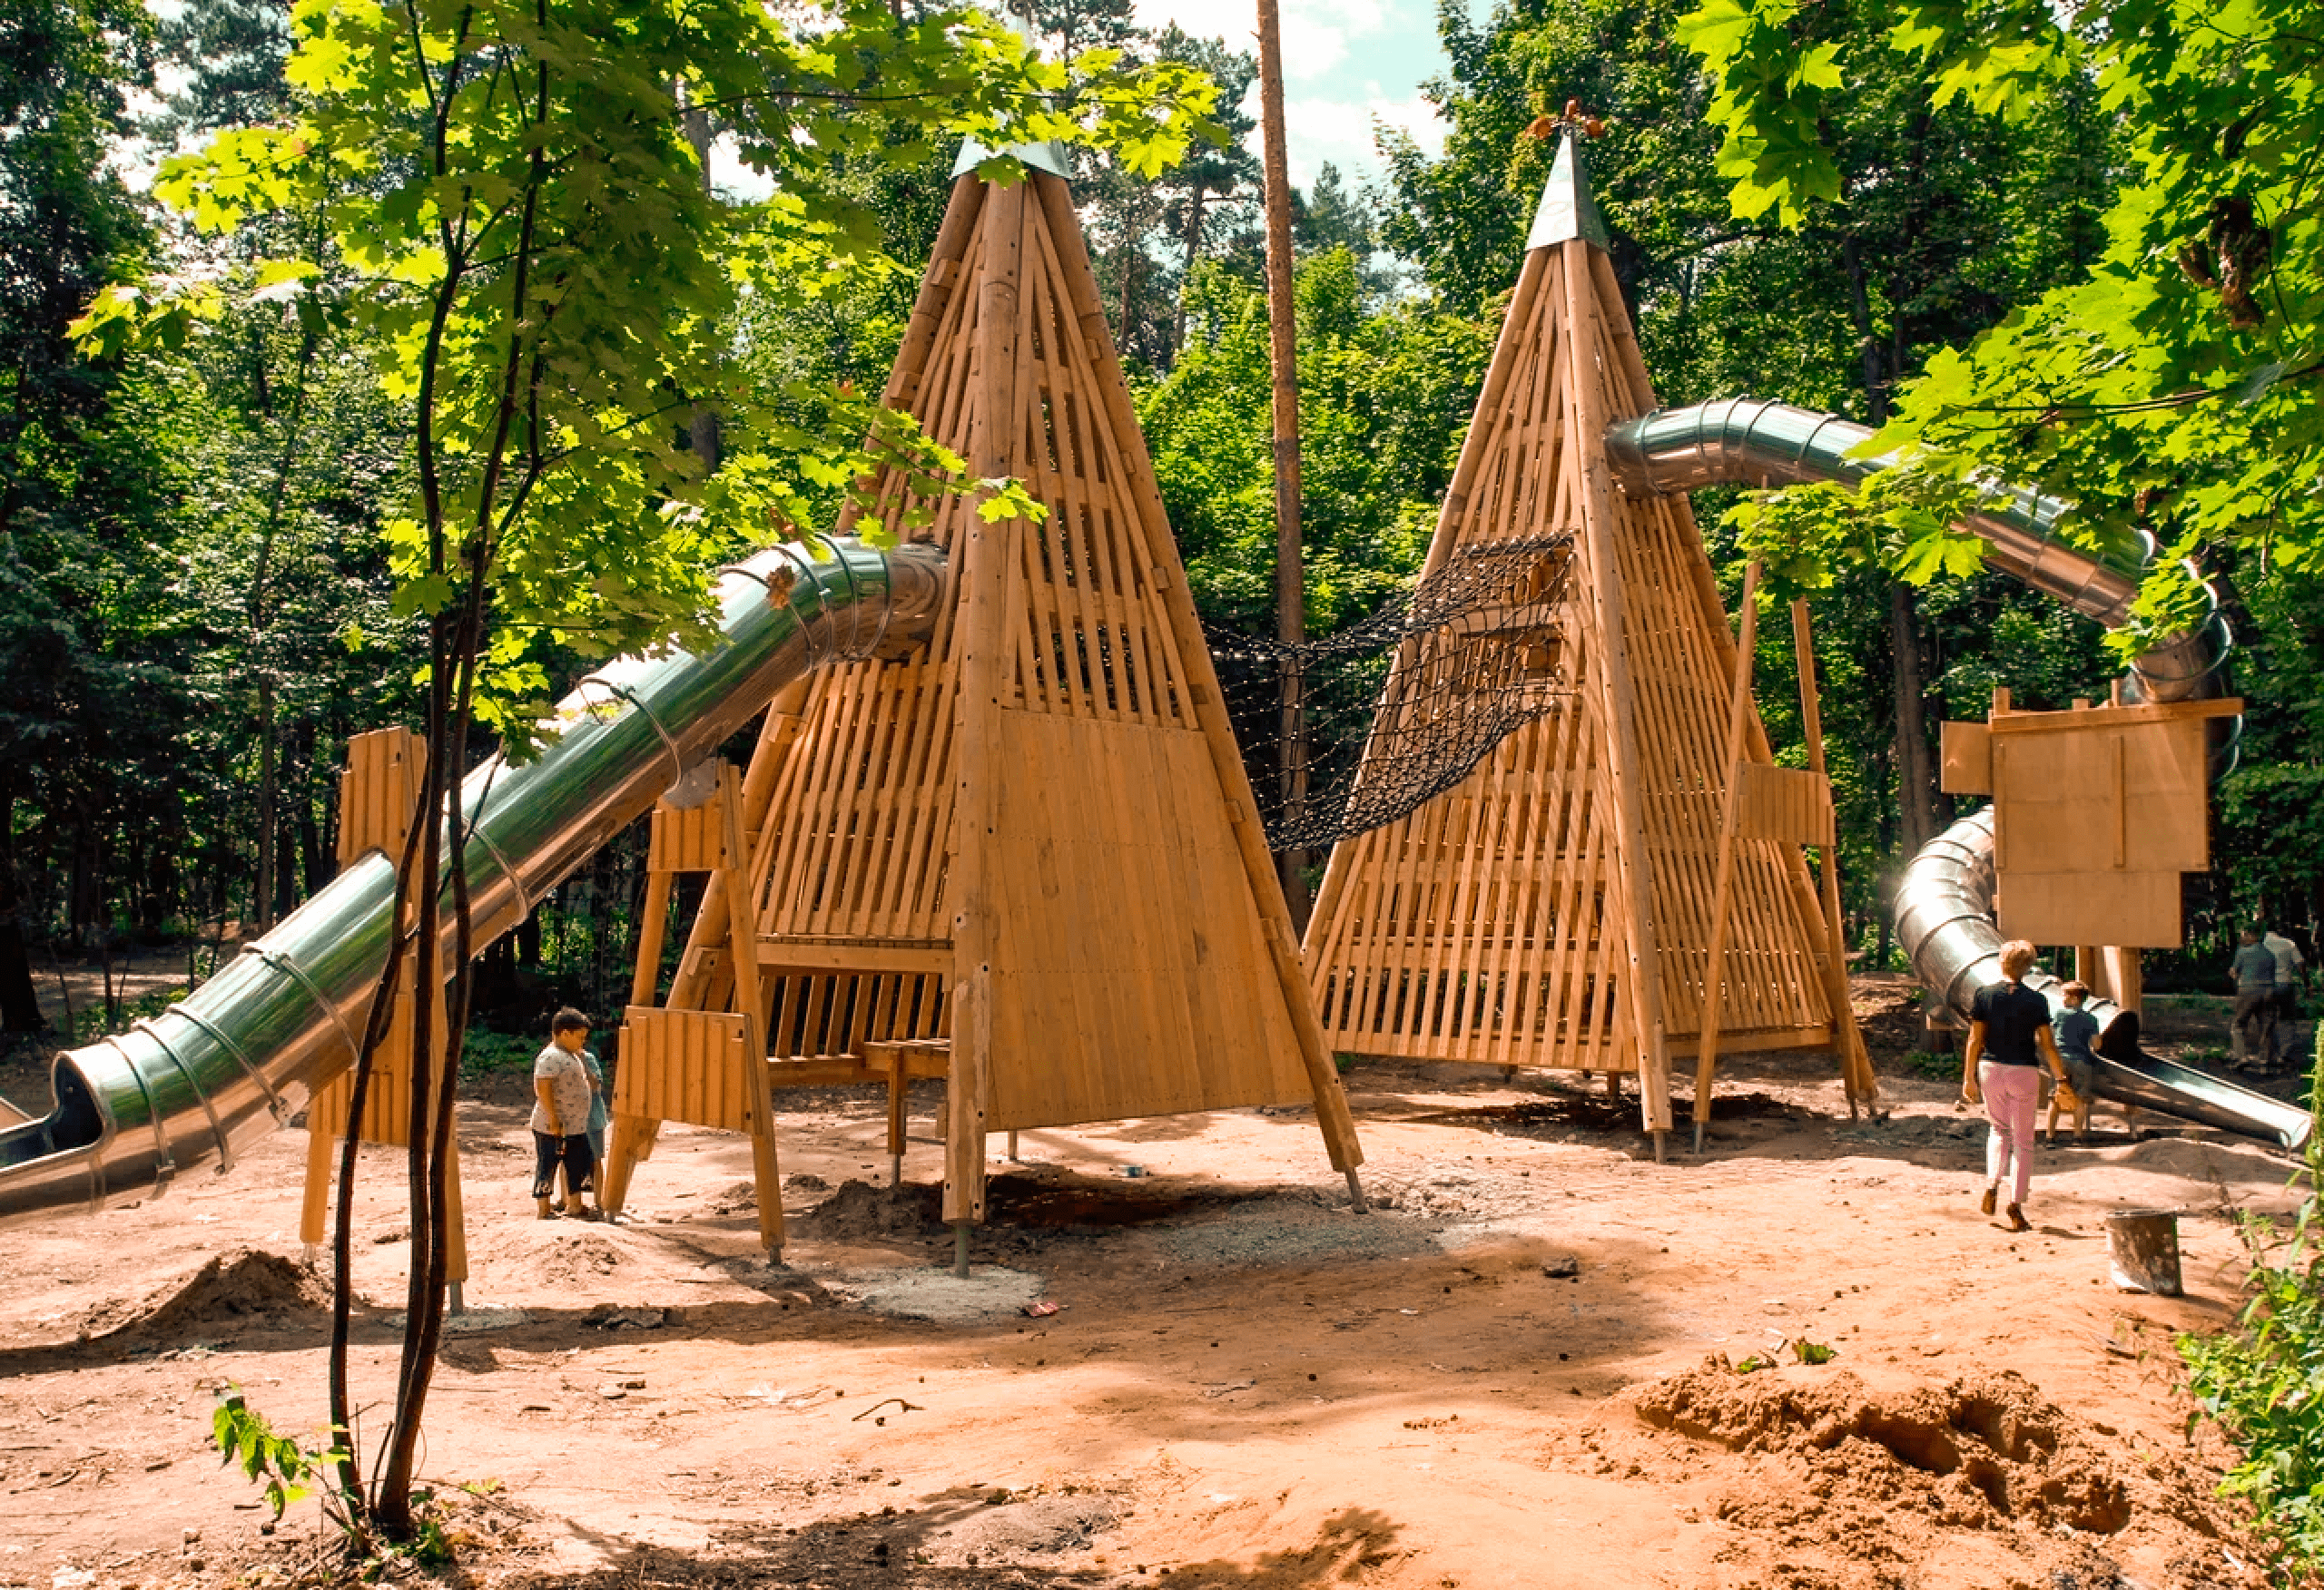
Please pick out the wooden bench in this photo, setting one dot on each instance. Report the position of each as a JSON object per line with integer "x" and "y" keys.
{"x": 897, "y": 1062}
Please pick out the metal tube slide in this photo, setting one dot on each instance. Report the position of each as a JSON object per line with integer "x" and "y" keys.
{"x": 1945, "y": 905}
{"x": 1945, "y": 918}
{"x": 198, "y": 1084}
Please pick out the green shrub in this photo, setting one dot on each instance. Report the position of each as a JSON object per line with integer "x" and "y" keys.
{"x": 2261, "y": 1381}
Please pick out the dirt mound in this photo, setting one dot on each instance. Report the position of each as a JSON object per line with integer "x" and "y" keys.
{"x": 1971, "y": 1452}
{"x": 577, "y": 1255}
{"x": 1881, "y": 1481}
{"x": 860, "y": 1211}
{"x": 1055, "y": 1201}
{"x": 247, "y": 1286}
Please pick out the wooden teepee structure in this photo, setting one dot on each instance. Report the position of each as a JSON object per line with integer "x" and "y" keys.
{"x": 1027, "y": 858}
{"x": 1554, "y": 909}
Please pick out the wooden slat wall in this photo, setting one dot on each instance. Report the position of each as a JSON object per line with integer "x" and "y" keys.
{"x": 1132, "y": 976}
{"x": 682, "y": 1065}
{"x": 1487, "y": 925}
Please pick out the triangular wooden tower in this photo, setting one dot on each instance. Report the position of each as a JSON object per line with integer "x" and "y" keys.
{"x": 1553, "y": 910}
{"x": 1035, "y": 839}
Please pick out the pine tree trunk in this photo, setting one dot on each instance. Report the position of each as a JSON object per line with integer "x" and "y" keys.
{"x": 1290, "y": 584}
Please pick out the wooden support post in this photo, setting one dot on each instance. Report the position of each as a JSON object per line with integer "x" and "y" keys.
{"x": 1617, "y": 699}
{"x": 314, "y": 1211}
{"x": 899, "y": 1081}
{"x": 1739, "y": 708}
{"x": 652, "y": 929}
{"x": 1332, "y": 1115}
{"x": 1856, "y": 1077}
{"x": 985, "y": 570}
{"x": 741, "y": 934}
{"x": 624, "y": 1144}
{"x": 701, "y": 982}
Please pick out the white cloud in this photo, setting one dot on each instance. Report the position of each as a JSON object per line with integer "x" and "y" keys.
{"x": 1341, "y": 131}
{"x": 1317, "y": 35}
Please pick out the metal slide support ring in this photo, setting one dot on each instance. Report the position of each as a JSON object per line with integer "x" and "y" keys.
{"x": 515, "y": 879}
{"x": 274, "y": 1105}
{"x": 677, "y": 762}
{"x": 856, "y": 615}
{"x": 833, "y": 651}
{"x": 164, "y": 1167}
{"x": 194, "y": 1081}
{"x": 887, "y": 611}
{"x": 280, "y": 961}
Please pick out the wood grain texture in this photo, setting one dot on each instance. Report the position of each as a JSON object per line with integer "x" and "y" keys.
{"x": 1495, "y": 923}
{"x": 1035, "y": 840}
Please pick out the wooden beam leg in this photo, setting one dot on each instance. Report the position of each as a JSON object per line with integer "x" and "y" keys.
{"x": 1856, "y": 1076}
{"x": 314, "y": 1213}
{"x": 456, "y": 1231}
{"x": 627, "y": 1141}
{"x": 768, "y": 1173}
{"x": 765, "y": 1163}
{"x": 1738, "y": 709}
{"x": 898, "y": 1086}
{"x": 964, "y": 1145}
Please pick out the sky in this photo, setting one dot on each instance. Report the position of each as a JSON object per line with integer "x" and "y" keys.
{"x": 1346, "y": 63}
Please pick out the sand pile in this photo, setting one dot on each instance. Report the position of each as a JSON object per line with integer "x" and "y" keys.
{"x": 243, "y": 1287}
{"x": 1841, "y": 1487}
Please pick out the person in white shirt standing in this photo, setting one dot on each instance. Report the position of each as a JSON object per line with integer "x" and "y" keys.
{"x": 560, "y": 1122}
{"x": 2289, "y": 971}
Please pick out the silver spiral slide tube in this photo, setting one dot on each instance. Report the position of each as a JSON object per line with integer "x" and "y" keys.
{"x": 197, "y": 1084}
{"x": 1944, "y": 904}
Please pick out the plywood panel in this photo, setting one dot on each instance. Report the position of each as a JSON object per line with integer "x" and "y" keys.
{"x": 2133, "y": 908}
{"x": 1130, "y": 978}
{"x": 1968, "y": 759}
{"x": 2132, "y": 797}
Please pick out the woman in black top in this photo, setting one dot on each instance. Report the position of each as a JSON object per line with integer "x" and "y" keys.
{"x": 2009, "y": 1042}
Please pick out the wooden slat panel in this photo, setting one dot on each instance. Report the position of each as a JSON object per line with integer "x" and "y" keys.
{"x": 682, "y": 1065}
{"x": 1790, "y": 806}
{"x": 1487, "y": 925}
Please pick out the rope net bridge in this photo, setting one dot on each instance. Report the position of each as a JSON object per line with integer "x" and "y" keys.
{"x": 1386, "y": 714}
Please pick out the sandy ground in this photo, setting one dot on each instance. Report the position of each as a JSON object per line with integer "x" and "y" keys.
{"x": 1518, "y": 1370}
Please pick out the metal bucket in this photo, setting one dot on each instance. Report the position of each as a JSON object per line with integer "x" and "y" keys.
{"x": 2142, "y": 1250}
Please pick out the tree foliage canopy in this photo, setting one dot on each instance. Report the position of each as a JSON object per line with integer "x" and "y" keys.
{"x": 2173, "y": 380}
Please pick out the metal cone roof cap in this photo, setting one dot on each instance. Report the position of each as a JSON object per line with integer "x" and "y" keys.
{"x": 1048, "y": 155}
{"x": 1567, "y": 209}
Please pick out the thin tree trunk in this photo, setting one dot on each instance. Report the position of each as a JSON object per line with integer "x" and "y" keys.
{"x": 262, "y": 895}
{"x": 1290, "y": 584}
{"x": 1916, "y": 767}
{"x": 20, "y": 1009}
{"x": 703, "y": 432}
{"x": 1193, "y": 240}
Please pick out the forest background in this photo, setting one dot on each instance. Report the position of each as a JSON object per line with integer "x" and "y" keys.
{"x": 197, "y": 610}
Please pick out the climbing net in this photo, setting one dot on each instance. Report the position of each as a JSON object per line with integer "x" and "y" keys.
{"x": 1399, "y": 708}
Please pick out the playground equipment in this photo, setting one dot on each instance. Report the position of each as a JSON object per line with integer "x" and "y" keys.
{"x": 1108, "y": 941}
{"x": 2107, "y": 807}
{"x": 197, "y": 1084}
{"x": 1027, "y": 860}
{"x": 1563, "y": 907}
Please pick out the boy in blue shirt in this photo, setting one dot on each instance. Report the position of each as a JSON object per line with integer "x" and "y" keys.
{"x": 2076, "y": 1030}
